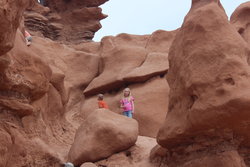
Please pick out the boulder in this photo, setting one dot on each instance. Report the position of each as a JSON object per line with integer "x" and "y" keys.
{"x": 88, "y": 164}
{"x": 102, "y": 134}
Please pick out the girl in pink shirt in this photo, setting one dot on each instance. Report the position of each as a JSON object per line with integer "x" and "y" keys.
{"x": 127, "y": 103}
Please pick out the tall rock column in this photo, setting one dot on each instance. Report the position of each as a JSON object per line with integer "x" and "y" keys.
{"x": 209, "y": 78}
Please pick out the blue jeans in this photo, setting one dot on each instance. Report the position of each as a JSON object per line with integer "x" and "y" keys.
{"x": 128, "y": 114}
{"x": 29, "y": 38}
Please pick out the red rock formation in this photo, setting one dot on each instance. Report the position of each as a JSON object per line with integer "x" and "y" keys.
{"x": 209, "y": 97}
{"x": 137, "y": 63}
{"x": 127, "y": 54}
{"x": 102, "y": 134}
{"x": 148, "y": 69}
{"x": 225, "y": 159}
{"x": 136, "y": 156}
{"x": 25, "y": 80}
{"x": 42, "y": 104}
{"x": 11, "y": 13}
{"x": 41, "y": 100}
{"x": 52, "y": 79}
{"x": 71, "y": 21}
{"x": 240, "y": 19}
{"x": 88, "y": 164}
{"x": 35, "y": 86}
{"x": 149, "y": 115}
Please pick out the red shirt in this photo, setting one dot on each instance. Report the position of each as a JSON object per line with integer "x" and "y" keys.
{"x": 102, "y": 104}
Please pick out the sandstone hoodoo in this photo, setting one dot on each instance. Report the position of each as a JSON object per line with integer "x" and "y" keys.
{"x": 209, "y": 90}
{"x": 240, "y": 19}
{"x": 102, "y": 134}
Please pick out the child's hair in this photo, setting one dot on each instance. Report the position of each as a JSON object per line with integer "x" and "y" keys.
{"x": 100, "y": 96}
{"x": 127, "y": 90}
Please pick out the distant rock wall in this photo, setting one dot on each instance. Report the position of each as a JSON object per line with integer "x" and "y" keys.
{"x": 71, "y": 21}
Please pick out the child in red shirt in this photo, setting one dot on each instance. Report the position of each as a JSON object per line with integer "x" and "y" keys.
{"x": 101, "y": 102}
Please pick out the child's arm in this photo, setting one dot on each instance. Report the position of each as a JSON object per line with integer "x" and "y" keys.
{"x": 133, "y": 107}
{"x": 121, "y": 104}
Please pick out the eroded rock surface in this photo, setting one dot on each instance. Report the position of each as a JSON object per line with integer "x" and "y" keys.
{"x": 136, "y": 156}
{"x": 102, "y": 134}
{"x": 240, "y": 19}
{"x": 68, "y": 21}
{"x": 209, "y": 97}
{"x": 11, "y": 13}
{"x": 47, "y": 90}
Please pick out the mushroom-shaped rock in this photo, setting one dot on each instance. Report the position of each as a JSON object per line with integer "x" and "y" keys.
{"x": 208, "y": 77}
